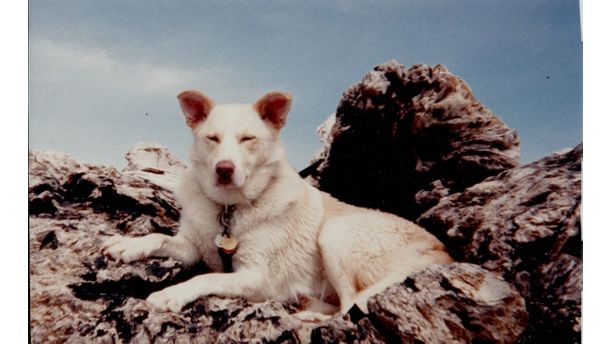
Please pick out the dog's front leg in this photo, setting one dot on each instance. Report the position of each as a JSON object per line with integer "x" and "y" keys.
{"x": 129, "y": 249}
{"x": 245, "y": 283}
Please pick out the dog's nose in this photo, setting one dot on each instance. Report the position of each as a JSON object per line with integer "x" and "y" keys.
{"x": 225, "y": 170}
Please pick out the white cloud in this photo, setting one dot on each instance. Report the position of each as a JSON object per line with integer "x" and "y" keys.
{"x": 77, "y": 70}
{"x": 69, "y": 65}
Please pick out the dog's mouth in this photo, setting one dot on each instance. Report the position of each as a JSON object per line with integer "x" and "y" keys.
{"x": 225, "y": 181}
{"x": 229, "y": 182}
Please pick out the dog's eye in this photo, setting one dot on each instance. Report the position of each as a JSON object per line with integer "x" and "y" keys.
{"x": 213, "y": 138}
{"x": 247, "y": 138}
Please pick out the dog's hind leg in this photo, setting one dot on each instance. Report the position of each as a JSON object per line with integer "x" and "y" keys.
{"x": 315, "y": 310}
{"x": 407, "y": 263}
{"x": 361, "y": 299}
{"x": 129, "y": 249}
{"x": 338, "y": 276}
{"x": 337, "y": 265}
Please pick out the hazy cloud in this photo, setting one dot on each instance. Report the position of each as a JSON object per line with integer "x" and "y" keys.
{"x": 89, "y": 68}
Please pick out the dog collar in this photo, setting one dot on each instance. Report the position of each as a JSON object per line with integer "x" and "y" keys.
{"x": 226, "y": 243}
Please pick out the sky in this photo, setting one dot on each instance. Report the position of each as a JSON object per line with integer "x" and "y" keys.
{"x": 104, "y": 75}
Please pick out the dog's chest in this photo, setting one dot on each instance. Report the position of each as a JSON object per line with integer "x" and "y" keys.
{"x": 251, "y": 236}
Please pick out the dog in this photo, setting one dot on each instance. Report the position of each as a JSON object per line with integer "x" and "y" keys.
{"x": 243, "y": 204}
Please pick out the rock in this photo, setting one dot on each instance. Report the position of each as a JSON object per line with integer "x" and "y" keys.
{"x": 404, "y": 138}
{"x": 456, "y": 303}
{"x": 154, "y": 158}
{"x": 524, "y": 224}
{"x": 155, "y": 163}
{"x": 77, "y": 295}
{"x": 340, "y": 329}
{"x": 208, "y": 320}
{"x": 325, "y": 135}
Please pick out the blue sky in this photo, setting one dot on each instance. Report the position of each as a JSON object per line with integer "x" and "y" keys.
{"x": 104, "y": 75}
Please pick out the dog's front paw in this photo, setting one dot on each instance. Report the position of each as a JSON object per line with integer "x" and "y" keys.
{"x": 171, "y": 299}
{"x": 126, "y": 249}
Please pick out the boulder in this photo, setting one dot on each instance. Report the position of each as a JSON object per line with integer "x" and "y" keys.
{"x": 524, "y": 224}
{"x": 456, "y": 303}
{"x": 403, "y": 138}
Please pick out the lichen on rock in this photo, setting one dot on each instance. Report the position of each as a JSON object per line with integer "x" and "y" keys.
{"x": 456, "y": 303}
{"x": 524, "y": 224}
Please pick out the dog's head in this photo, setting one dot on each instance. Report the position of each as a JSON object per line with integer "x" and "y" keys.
{"x": 236, "y": 146}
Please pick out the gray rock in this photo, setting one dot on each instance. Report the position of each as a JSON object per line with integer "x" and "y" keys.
{"x": 153, "y": 158}
{"x": 405, "y": 137}
{"x": 524, "y": 224}
{"x": 456, "y": 303}
{"x": 340, "y": 329}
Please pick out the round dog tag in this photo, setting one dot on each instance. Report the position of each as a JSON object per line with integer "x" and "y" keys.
{"x": 227, "y": 243}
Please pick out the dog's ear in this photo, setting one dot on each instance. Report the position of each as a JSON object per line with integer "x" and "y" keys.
{"x": 274, "y": 107}
{"x": 195, "y": 106}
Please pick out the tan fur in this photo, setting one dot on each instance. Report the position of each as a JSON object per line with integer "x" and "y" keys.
{"x": 333, "y": 207}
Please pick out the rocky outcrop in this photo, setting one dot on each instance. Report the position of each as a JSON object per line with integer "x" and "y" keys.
{"x": 458, "y": 303}
{"x": 77, "y": 295}
{"x": 405, "y": 137}
{"x": 525, "y": 224}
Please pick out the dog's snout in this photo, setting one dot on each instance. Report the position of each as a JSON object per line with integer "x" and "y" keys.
{"x": 225, "y": 170}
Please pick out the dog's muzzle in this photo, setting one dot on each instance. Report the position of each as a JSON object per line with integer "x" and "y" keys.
{"x": 225, "y": 172}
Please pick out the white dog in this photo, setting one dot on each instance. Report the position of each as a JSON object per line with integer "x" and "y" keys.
{"x": 248, "y": 213}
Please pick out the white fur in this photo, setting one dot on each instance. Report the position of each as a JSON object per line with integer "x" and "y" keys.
{"x": 294, "y": 240}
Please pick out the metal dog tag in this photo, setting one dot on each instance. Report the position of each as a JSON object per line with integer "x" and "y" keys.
{"x": 228, "y": 243}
